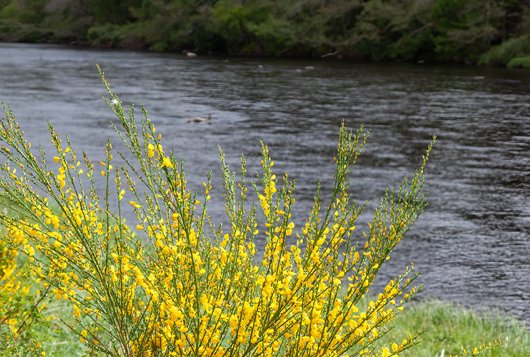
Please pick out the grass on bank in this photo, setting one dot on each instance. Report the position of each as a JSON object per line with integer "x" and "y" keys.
{"x": 56, "y": 338}
{"x": 450, "y": 327}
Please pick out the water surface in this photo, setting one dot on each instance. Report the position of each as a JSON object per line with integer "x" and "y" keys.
{"x": 472, "y": 243}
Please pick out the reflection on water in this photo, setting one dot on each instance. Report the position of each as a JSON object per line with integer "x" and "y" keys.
{"x": 471, "y": 243}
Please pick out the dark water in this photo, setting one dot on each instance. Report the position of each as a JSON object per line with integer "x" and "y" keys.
{"x": 472, "y": 243}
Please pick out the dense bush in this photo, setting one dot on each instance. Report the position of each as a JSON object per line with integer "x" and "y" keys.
{"x": 174, "y": 283}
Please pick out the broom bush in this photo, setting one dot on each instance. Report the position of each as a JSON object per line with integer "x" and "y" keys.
{"x": 173, "y": 283}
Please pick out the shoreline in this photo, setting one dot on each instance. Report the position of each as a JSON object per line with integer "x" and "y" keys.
{"x": 228, "y": 57}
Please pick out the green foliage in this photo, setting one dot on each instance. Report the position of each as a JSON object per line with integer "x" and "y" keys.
{"x": 29, "y": 11}
{"x": 502, "y": 54}
{"x": 391, "y": 29}
{"x": 519, "y": 62}
{"x": 465, "y": 28}
{"x": 253, "y": 28}
{"x": 116, "y": 11}
{"x": 110, "y": 35}
{"x": 19, "y": 21}
{"x": 37, "y": 21}
{"x": 12, "y": 30}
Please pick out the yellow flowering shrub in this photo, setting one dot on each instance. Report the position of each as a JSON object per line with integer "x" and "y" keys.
{"x": 175, "y": 284}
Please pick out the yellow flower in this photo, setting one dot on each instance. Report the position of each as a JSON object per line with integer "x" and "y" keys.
{"x": 395, "y": 347}
{"x": 166, "y": 162}
{"x": 135, "y": 204}
{"x": 150, "y": 151}
{"x": 385, "y": 352}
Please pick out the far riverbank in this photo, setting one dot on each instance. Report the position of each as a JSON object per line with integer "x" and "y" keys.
{"x": 472, "y": 32}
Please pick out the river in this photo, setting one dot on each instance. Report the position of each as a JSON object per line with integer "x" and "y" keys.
{"x": 472, "y": 242}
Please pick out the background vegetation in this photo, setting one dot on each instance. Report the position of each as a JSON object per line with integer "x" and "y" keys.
{"x": 490, "y": 32}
